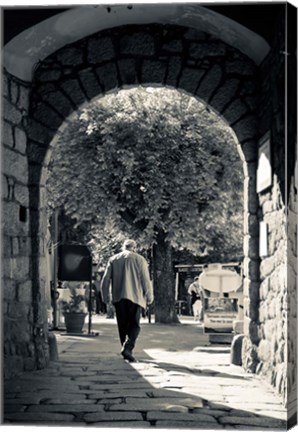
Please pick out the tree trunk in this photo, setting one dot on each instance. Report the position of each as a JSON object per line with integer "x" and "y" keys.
{"x": 164, "y": 282}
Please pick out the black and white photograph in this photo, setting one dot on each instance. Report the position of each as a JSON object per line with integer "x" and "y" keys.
{"x": 149, "y": 215}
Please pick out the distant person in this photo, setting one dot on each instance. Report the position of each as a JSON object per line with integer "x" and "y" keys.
{"x": 89, "y": 301}
{"x": 197, "y": 296}
{"x": 131, "y": 291}
{"x": 100, "y": 306}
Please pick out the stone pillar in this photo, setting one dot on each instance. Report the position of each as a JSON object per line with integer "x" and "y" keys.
{"x": 19, "y": 324}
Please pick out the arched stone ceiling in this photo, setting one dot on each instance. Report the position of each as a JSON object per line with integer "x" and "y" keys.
{"x": 23, "y": 52}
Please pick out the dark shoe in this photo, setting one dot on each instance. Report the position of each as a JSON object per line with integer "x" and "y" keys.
{"x": 127, "y": 355}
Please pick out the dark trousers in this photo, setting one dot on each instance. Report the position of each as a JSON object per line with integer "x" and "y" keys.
{"x": 128, "y": 316}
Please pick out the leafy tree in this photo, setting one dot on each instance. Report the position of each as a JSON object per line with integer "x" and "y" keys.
{"x": 69, "y": 232}
{"x": 156, "y": 165}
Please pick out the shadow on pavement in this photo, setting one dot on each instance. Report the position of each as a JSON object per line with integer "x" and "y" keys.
{"x": 91, "y": 385}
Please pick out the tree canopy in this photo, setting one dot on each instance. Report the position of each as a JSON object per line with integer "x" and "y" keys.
{"x": 149, "y": 160}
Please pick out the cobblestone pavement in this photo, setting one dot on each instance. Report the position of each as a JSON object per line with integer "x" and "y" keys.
{"x": 179, "y": 381}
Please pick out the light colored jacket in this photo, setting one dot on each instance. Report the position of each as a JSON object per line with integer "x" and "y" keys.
{"x": 128, "y": 275}
{"x": 195, "y": 288}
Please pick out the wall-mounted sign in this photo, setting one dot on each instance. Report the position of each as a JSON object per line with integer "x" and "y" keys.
{"x": 264, "y": 170}
{"x": 296, "y": 171}
{"x": 263, "y": 239}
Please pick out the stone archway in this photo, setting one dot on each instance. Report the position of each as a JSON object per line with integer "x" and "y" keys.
{"x": 164, "y": 54}
{"x": 153, "y": 55}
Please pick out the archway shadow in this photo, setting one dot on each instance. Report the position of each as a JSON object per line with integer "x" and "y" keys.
{"x": 91, "y": 385}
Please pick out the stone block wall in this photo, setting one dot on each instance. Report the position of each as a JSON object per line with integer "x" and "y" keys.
{"x": 273, "y": 349}
{"x": 273, "y": 292}
{"x": 291, "y": 349}
{"x": 23, "y": 339}
{"x": 291, "y": 193}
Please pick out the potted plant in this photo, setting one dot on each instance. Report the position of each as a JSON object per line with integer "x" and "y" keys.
{"x": 74, "y": 312}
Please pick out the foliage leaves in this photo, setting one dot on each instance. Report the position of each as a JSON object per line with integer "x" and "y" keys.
{"x": 141, "y": 161}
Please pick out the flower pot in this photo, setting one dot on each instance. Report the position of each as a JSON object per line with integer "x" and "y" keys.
{"x": 74, "y": 321}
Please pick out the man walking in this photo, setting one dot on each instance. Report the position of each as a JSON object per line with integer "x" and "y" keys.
{"x": 197, "y": 298}
{"x": 126, "y": 282}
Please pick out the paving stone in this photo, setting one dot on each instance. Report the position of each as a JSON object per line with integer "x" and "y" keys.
{"x": 123, "y": 424}
{"x": 254, "y": 407}
{"x": 107, "y": 368}
{"x": 208, "y": 394}
{"x": 43, "y": 382}
{"x": 208, "y": 388}
{"x": 67, "y": 400}
{"x": 251, "y": 428}
{"x": 23, "y": 400}
{"x": 123, "y": 374}
{"x": 148, "y": 370}
{"x": 17, "y": 387}
{"x": 117, "y": 394}
{"x": 153, "y": 404}
{"x": 106, "y": 401}
{"x": 39, "y": 417}
{"x": 97, "y": 379}
{"x": 169, "y": 424}
{"x": 161, "y": 381}
{"x": 211, "y": 412}
{"x": 89, "y": 392}
{"x": 159, "y": 415}
{"x": 279, "y": 414}
{"x": 215, "y": 405}
{"x": 75, "y": 373}
{"x": 230, "y": 383}
{"x": 176, "y": 382}
{"x": 100, "y": 379}
{"x": 177, "y": 408}
{"x": 14, "y": 408}
{"x": 161, "y": 393}
{"x": 113, "y": 416}
{"x": 153, "y": 374}
{"x": 240, "y": 413}
{"x": 68, "y": 390}
{"x": 62, "y": 408}
{"x": 248, "y": 395}
{"x": 10, "y": 395}
{"x": 50, "y": 394}
{"x": 44, "y": 376}
{"x": 141, "y": 405}
{"x": 188, "y": 402}
{"x": 254, "y": 421}
{"x": 44, "y": 394}
{"x": 116, "y": 387}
